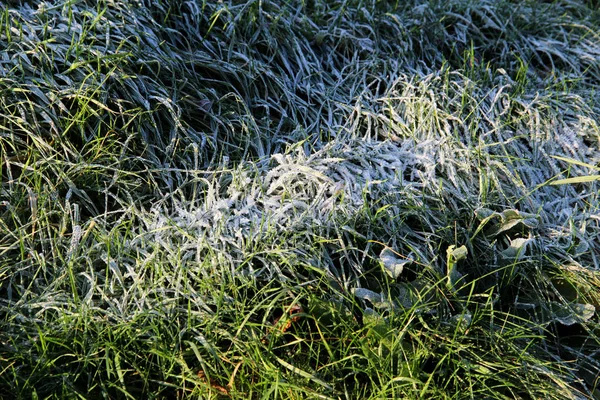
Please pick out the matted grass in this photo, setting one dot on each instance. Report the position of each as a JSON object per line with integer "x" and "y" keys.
{"x": 321, "y": 199}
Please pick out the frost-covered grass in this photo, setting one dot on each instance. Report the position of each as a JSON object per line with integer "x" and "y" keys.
{"x": 320, "y": 199}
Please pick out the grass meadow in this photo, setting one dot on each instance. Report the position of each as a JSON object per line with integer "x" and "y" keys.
{"x": 317, "y": 199}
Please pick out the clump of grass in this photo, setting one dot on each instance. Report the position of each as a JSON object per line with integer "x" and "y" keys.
{"x": 315, "y": 200}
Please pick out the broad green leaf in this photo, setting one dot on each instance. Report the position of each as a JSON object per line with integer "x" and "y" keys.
{"x": 512, "y": 218}
{"x": 453, "y": 255}
{"x": 517, "y": 248}
{"x": 462, "y": 321}
{"x": 510, "y": 214}
{"x": 486, "y": 215}
{"x": 392, "y": 264}
{"x": 456, "y": 254}
{"x": 573, "y": 313}
{"x": 367, "y": 294}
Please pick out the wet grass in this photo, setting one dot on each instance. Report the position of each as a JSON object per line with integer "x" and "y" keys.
{"x": 301, "y": 200}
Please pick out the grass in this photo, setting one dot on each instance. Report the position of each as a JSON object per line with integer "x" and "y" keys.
{"x": 318, "y": 199}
